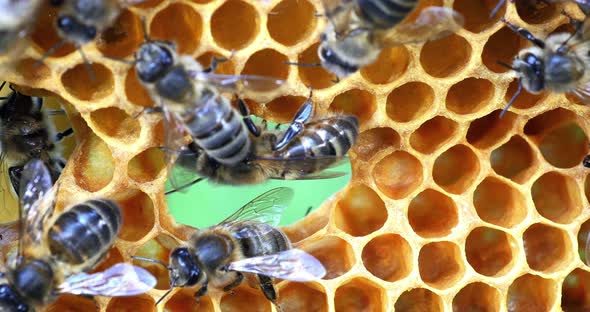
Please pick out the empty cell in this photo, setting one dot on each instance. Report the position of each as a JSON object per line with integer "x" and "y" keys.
{"x": 583, "y": 237}
{"x": 536, "y": 11}
{"x": 409, "y": 101}
{"x": 432, "y": 214}
{"x": 574, "y": 291}
{"x": 456, "y": 169}
{"x": 72, "y": 303}
{"x": 514, "y": 160}
{"x": 547, "y": 248}
{"x": 440, "y": 264}
{"x": 477, "y": 13}
{"x": 157, "y": 248}
{"x": 31, "y": 69}
{"x": 525, "y": 99}
{"x": 79, "y": 82}
{"x": 244, "y": 295}
{"x": 294, "y": 297}
{"x": 116, "y": 123}
{"x": 93, "y": 165}
{"x": 138, "y": 214}
{"x": 45, "y": 36}
{"x": 234, "y": 24}
{"x": 564, "y": 146}
{"x": 359, "y": 294}
{"x": 266, "y": 63}
{"x": 142, "y": 303}
{"x": 123, "y": 38}
{"x": 180, "y": 24}
{"x": 419, "y": 300}
{"x": 502, "y": 46}
{"x": 552, "y": 119}
{"x": 225, "y": 67}
{"x": 360, "y": 211}
{"x": 488, "y": 130}
{"x": 147, "y": 165}
{"x": 315, "y": 77}
{"x": 389, "y": 257}
{"x": 184, "y": 301}
{"x": 291, "y": 21}
{"x": 557, "y": 197}
{"x": 389, "y": 66}
{"x": 356, "y": 102}
{"x": 398, "y": 174}
{"x": 334, "y": 253}
{"x": 432, "y": 134}
{"x": 499, "y": 203}
{"x": 489, "y": 251}
{"x": 135, "y": 92}
{"x": 531, "y": 293}
{"x": 372, "y": 141}
{"x": 112, "y": 257}
{"x": 469, "y": 95}
{"x": 477, "y": 297}
{"x": 456, "y": 51}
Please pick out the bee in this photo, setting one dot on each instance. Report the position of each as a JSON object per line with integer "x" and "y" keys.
{"x": 246, "y": 242}
{"x": 55, "y": 252}
{"x": 583, "y": 5}
{"x": 16, "y": 22}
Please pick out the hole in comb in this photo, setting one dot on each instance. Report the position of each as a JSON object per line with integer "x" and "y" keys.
{"x": 556, "y": 197}
{"x": 487, "y": 131}
{"x": 116, "y": 124}
{"x": 360, "y": 211}
{"x": 531, "y": 293}
{"x": 67, "y": 302}
{"x": 78, "y": 82}
{"x": 334, "y": 253}
{"x": 456, "y": 51}
{"x": 540, "y": 124}
{"x": 536, "y": 11}
{"x": 432, "y": 214}
{"x": 477, "y": 13}
{"x": 138, "y": 215}
{"x": 313, "y": 76}
{"x": 409, "y": 102}
{"x": 582, "y": 240}
{"x": 184, "y": 301}
{"x": 547, "y": 248}
{"x": 419, "y": 299}
{"x": 94, "y": 164}
{"x": 469, "y": 96}
{"x": 225, "y": 68}
{"x": 388, "y": 257}
{"x": 294, "y": 21}
{"x": 135, "y": 92}
{"x": 147, "y": 165}
{"x": 525, "y": 99}
{"x": 432, "y": 134}
{"x": 514, "y": 160}
{"x": 498, "y": 203}
{"x": 477, "y": 297}
{"x": 234, "y": 25}
{"x": 123, "y": 38}
{"x": 440, "y": 264}
{"x": 302, "y": 297}
{"x": 30, "y": 69}
{"x": 398, "y": 174}
{"x": 142, "y": 303}
{"x": 489, "y": 251}
{"x": 180, "y": 24}
{"x": 356, "y": 102}
{"x": 267, "y": 63}
{"x": 455, "y": 169}
{"x": 282, "y": 109}
{"x": 112, "y": 257}
{"x": 574, "y": 294}
{"x": 503, "y": 46}
{"x": 390, "y": 65}
{"x": 244, "y": 295}
{"x": 359, "y": 294}
{"x": 564, "y": 146}
{"x": 372, "y": 141}
{"x": 158, "y": 248}
{"x": 45, "y": 36}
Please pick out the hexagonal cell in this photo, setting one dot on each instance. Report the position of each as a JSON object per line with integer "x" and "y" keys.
{"x": 334, "y": 253}
{"x": 486, "y": 131}
{"x": 184, "y": 301}
{"x": 372, "y": 141}
{"x": 360, "y": 211}
{"x": 456, "y": 169}
{"x": 574, "y": 291}
{"x": 112, "y": 257}
{"x": 432, "y": 134}
{"x": 123, "y": 38}
{"x": 147, "y": 165}
{"x": 226, "y": 67}
{"x": 398, "y": 174}
{"x": 469, "y": 95}
{"x": 456, "y": 50}
{"x": 115, "y": 123}
{"x": 547, "y": 248}
{"x": 503, "y": 46}
{"x": 267, "y": 63}
{"x": 359, "y": 294}
{"x": 30, "y": 69}
{"x": 564, "y": 146}
{"x": 244, "y": 295}
{"x": 291, "y": 21}
{"x": 142, "y": 303}
{"x": 525, "y": 99}
{"x": 418, "y": 300}
{"x": 477, "y": 297}
{"x": 440, "y": 264}
{"x": 302, "y": 297}
{"x": 432, "y": 214}
{"x": 477, "y": 14}
{"x": 388, "y": 257}
{"x": 499, "y": 203}
{"x": 489, "y": 251}
{"x": 45, "y": 36}
{"x": 356, "y": 102}
{"x": 583, "y": 237}
{"x": 180, "y": 24}
{"x": 86, "y": 87}
{"x": 138, "y": 214}
{"x": 549, "y": 120}
{"x": 409, "y": 101}
{"x": 536, "y": 12}
{"x": 135, "y": 92}
{"x": 157, "y": 248}
{"x": 72, "y": 303}
{"x": 514, "y": 160}
{"x": 557, "y": 197}
{"x": 94, "y": 164}
{"x": 390, "y": 65}
{"x": 531, "y": 293}
{"x": 231, "y": 16}
{"x": 315, "y": 77}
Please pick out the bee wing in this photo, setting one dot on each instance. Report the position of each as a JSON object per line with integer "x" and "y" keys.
{"x": 9, "y": 232}
{"x": 266, "y": 208}
{"x": 174, "y": 136}
{"x": 432, "y": 23}
{"x": 311, "y": 168}
{"x": 122, "y": 279}
{"x": 183, "y": 173}
{"x": 583, "y": 93}
{"x": 338, "y": 12}
{"x": 238, "y": 82}
{"x": 293, "y": 265}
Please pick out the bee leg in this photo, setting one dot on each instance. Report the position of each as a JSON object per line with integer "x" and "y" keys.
{"x": 61, "y": 135}
{"x": 203, "y": 290}
{"x": 150, "y": 110}
{"x": 235, "y": 283}
{"x": 525, "y": 34}
{"x": 247, "y": 120}
{"x": 296, "y": 126}
{"x": 15, "y": 174}
{"x": 268, "y": 288}
{"x": 215, "y": 61}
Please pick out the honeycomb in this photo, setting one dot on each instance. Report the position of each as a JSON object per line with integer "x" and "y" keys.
{"x": 449, "y": 207}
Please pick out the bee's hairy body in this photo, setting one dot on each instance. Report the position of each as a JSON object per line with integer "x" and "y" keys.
{"x": 79, "y": 21}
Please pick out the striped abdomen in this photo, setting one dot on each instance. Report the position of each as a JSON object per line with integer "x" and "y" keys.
{"x": 84, "y": 231}
{"x": 385, "y": 14}
{"x": 259, "y": 239}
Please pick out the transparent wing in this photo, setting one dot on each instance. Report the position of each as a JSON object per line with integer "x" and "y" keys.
{"x": 174, "y": 136}
{"x": 183, "y": 172}
{"x": 583, "y": 93}
{"x": 432, "y": 23}
{"x": 238, "y": 82}
{"x": 266, "y": 208}
{"x": 121, "y": 279}
{"x": 293, "y": 265}
{"x": 338, "y": 12}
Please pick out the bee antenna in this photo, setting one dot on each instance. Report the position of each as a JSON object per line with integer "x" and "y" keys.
{"x": 2, "y": 85}
{"x": 172, "y": 284}
{"x": 50, "y": 51}
{"x": 497, "y": 8}
{"x": 87, "y": 64}
{"x": 304, "y": 64}
{"x": 516, "y": 94}
{"x": 156, "y": 261}
{"x": 506, "y": 65}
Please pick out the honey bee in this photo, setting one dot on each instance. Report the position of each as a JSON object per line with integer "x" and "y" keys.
{"x": 584, "y": 5}
{"x": 55, "y": 252}
{"x": 15, "y": 24}
{"x": 246, "y": 242}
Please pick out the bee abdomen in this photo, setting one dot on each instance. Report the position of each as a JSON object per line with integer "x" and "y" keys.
{"x": 85, "y": 230}
{"x": 385, "y": 13}
{"x": 259, "y": 239}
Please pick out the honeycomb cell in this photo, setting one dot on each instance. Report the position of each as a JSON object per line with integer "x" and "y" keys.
{"x": 409, "y": 101}
{"x": 334, "y": 253}
{"x": 547, "y": 248}
{"x": 574, "y": 291}
{"x": 45, "y": 36}
{"x": 456, "y": 169}
{"x": 234, "y": 25}
{"x": 72, "y": 303}
{"x": 227, "y": 67}
{"x": 557, "y": 197}
{"x": 115, "y": 123}
{"x": 489, "y": 251}
{"x": 525, "y": 99}
{"x": 142, "y": 303}
{"x": 360, "y": 211}
{"x": 135, "y": 92}
{"x": 502, "y": 46}
{"x": 391, "y": 64}
{"x": 302, "y": 297}
{"x": 432, "y": 214}
{"x": 398, "y": 174}
{"x": 477, "y": 14}
{"x": 235, "y": 302}
{"x": 499, "y": 203}
{"x": 184, "y": 301}
{"x": 291, "y": 21}
{"x": 267, "y": 63}
{"x": 111, "y": 258}
{"x": 138, "y": 215}
{"x": 432, "y": 134}
{"x": 456, "y": 51}
{"x": 157, "y": 248}
{"x": 536, "y": 12}
{"x": 359, "y": 294}
{"x": 356, "y": 102}
{"x": 79, "y": 82}
{"x": 418, "y": 300}
{"x": 315, "y": 77}
{"x": 180, "y": 24}
{"x": 583, "y": 237}
{"x": 123, "y": 38}
{"x": 531, "y": 293}
{"x": 564, "y": 146}
{"x": 552, "y": 119}
{"x": 487, "y": 131}
{"x": 477, "y": 297}
{"x": 31, "y": 69}
{"x": 372, "y": 141}
{"x": 94, "y": 165}
{"x": 388, "y": 257}
{"x": 514, "y": 160}
{"x": 440, "y": 264}
{"x": 147, "y": 165}
{"x": 469, "y": 96}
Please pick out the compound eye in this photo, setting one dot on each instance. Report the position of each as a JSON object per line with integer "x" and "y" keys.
{"x": 90, "y": 33}
{"x": 65, "y": 22}
{"x": 530, "y": 58}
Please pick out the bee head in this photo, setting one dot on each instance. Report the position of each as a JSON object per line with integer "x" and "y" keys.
{"x": 530, "y": 67}
{"x": 154, "y": 58}
{"x": 184, "y": 270}
{"x": 76, "y": 30}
